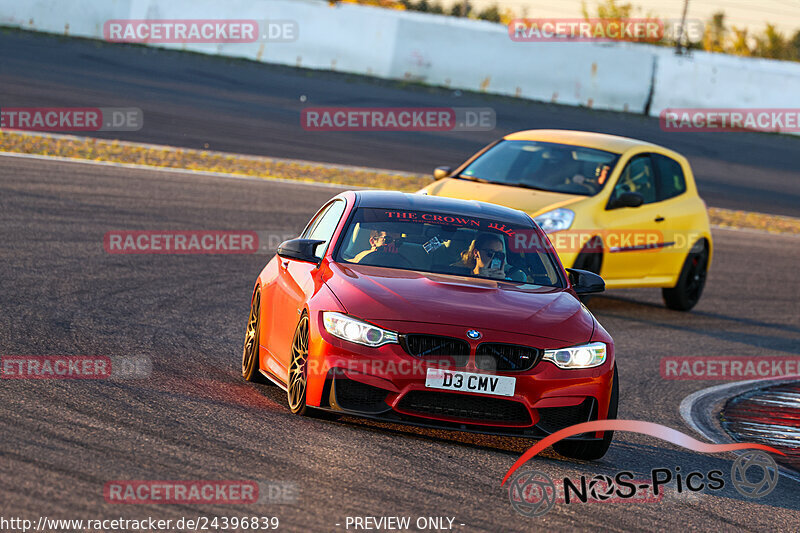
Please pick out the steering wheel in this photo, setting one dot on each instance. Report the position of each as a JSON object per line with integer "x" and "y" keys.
{"x": 385, "y": 259}
{"x": 515, "y": 273}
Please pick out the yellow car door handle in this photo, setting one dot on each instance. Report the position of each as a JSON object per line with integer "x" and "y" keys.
{"x": 659, "y": 219}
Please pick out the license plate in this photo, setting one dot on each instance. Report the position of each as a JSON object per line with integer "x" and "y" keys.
{"x": 469, "y": 382}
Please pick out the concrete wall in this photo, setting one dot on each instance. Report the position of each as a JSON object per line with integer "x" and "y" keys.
{"x": 718, "y": 81}
{"x": 451, "y": 52}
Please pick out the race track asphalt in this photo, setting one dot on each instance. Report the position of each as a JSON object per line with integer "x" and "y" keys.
{"x": 195, "y": 418}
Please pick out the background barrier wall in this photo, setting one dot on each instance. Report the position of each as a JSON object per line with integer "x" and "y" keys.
{"x": 480, "y": 56}
{"x": 718, "y": 80}
{"x": 451, "y": 52}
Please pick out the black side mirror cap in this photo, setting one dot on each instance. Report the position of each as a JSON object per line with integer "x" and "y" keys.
{"x": 627, "y": 199}
{"x": 585, "y": 282}
{"x": 300, "y": 249}
{"x": 441, "y": 172}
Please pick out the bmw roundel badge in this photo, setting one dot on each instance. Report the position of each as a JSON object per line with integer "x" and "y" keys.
{"x": 474, "y": 334}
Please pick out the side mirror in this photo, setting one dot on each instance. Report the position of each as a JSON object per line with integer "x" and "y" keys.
{"x": 300, "y": 249}
{"x": 585, "y": 282}
{"x": 627, "y": 199}
{"x": 441, "y": 172}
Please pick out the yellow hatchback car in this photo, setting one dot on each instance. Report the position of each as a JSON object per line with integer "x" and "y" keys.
{"x": 622, "y": 208}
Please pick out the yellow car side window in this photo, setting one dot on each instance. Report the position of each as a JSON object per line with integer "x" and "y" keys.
{"x": 638, "y": 177}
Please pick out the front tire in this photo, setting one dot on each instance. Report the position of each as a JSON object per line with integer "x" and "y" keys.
{"x": 252, "y": 339}
{"x": 593, "y": 450}
{"x": 686, "y": 293}
{"x": 298, "y": 369}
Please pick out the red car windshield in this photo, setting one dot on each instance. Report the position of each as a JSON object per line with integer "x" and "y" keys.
{"x": 446, "y": 243}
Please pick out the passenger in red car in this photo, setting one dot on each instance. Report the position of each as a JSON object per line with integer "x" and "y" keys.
{"x": 485, "y": 257}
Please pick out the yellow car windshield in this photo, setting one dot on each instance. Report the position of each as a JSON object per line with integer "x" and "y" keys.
{"x": 546, "y": 166}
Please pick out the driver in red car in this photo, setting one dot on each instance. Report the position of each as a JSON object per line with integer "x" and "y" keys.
{"x": 381, "y": 242}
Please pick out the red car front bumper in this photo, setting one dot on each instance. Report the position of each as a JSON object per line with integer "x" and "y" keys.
{"x": 388, "y": 383}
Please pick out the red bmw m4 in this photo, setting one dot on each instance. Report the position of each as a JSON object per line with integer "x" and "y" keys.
{"x": 421, "y": 310}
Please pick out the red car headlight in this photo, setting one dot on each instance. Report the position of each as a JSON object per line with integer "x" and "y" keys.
{"x": 354, "y": 330}
{"x": 583, "y": 356}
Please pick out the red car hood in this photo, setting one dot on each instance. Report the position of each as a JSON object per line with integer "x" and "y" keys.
{"x": 375, "y": 293}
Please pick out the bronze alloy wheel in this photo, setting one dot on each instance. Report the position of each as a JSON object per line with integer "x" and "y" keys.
{"x": 298, "y": 376}
{"x": 251, "y": 341}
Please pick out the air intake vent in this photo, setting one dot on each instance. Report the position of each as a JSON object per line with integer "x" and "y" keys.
{"x": 506, "y": 357}
{"x": 470, "y": 408}
{"x": 447, "y": 352}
